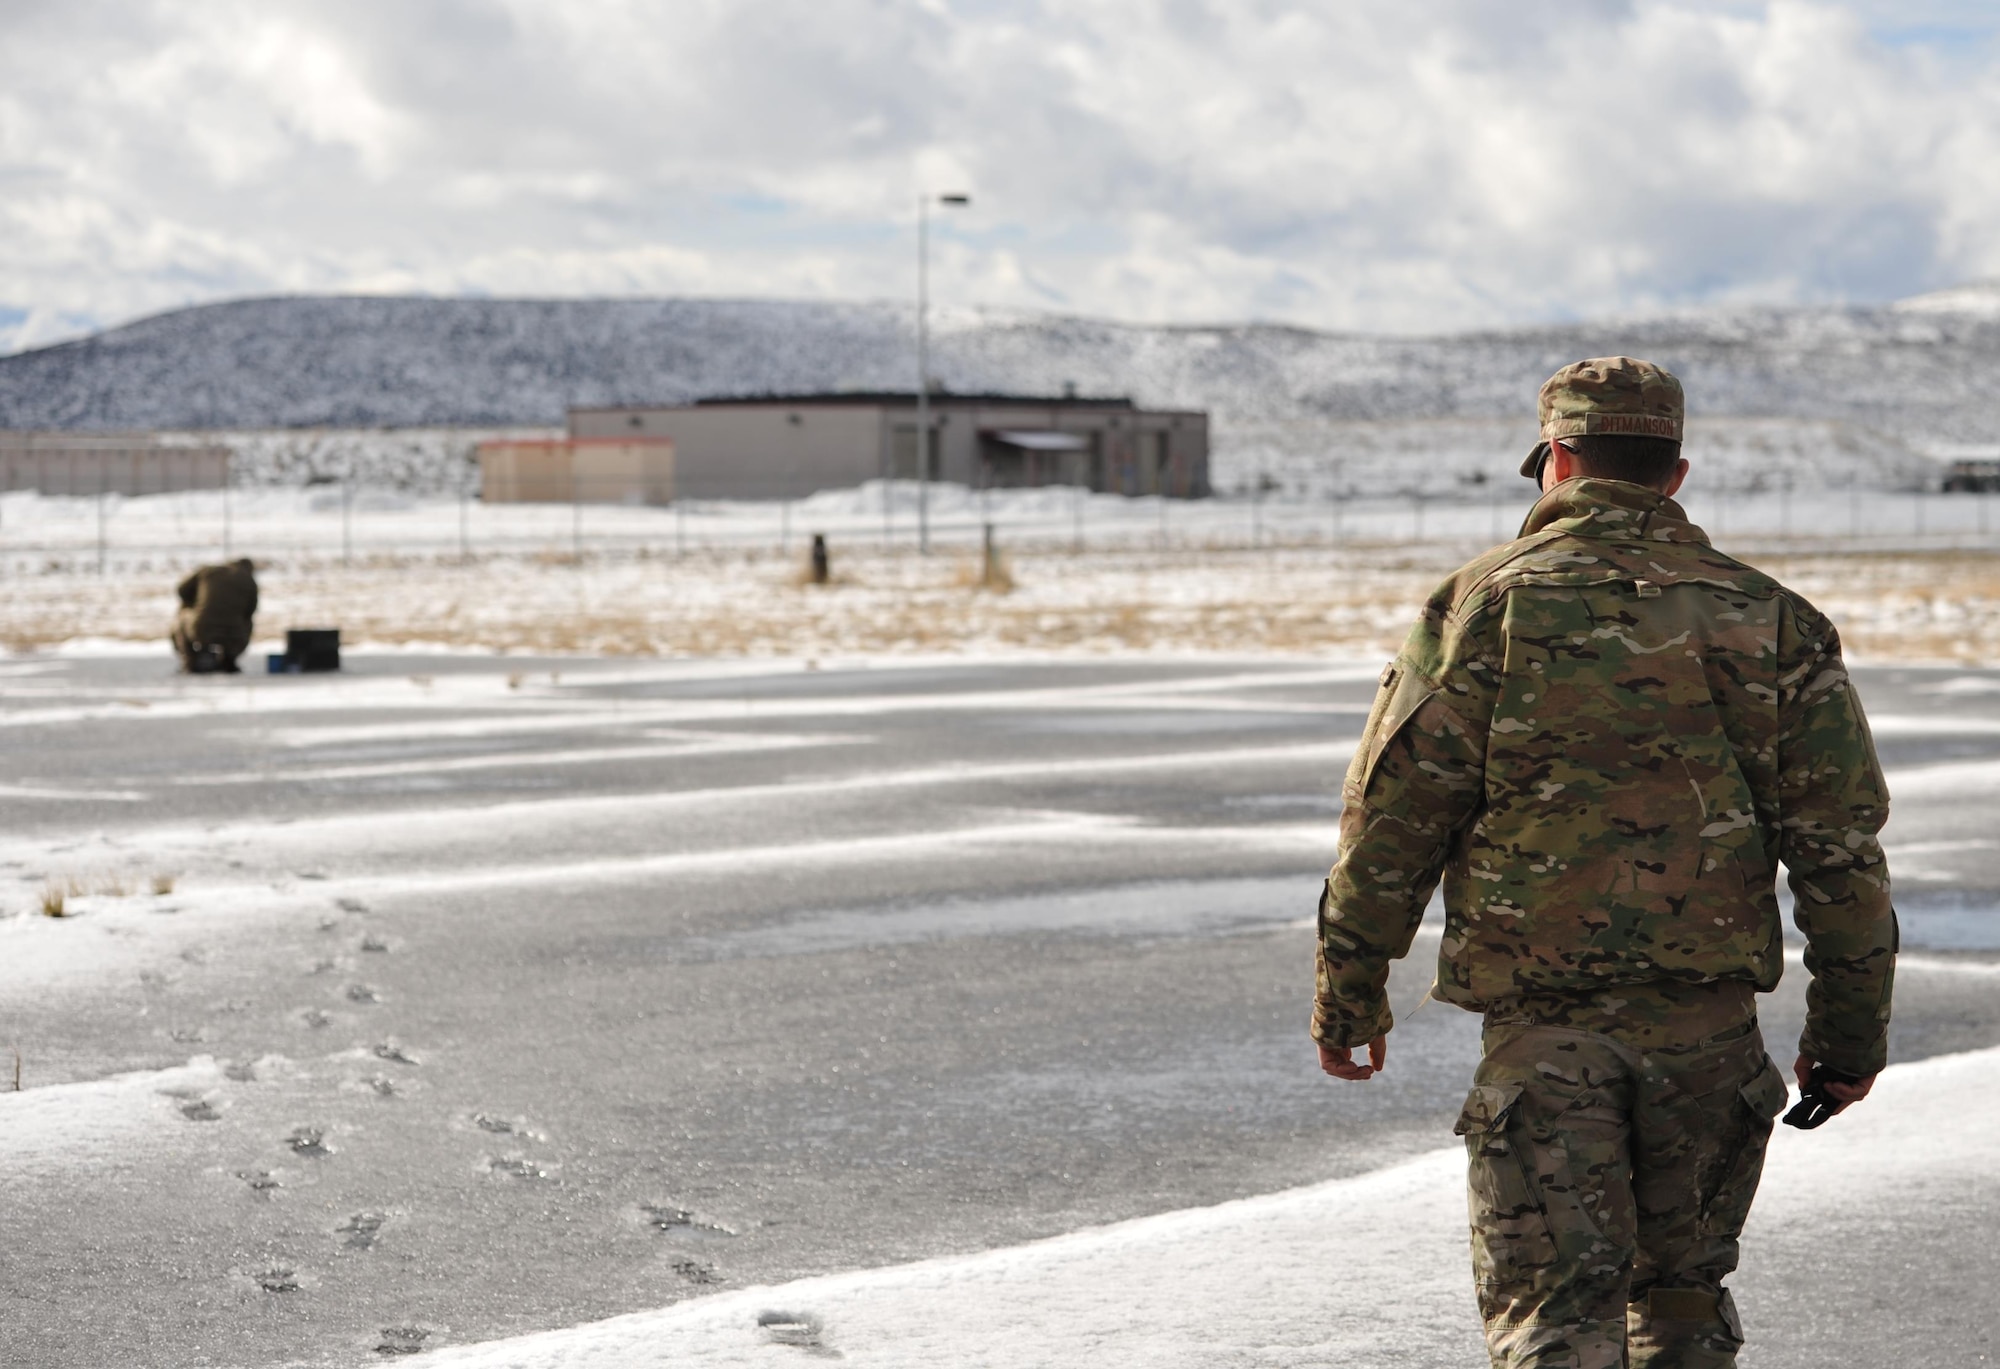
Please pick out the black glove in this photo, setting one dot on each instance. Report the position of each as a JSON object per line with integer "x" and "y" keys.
{"x": 1815, "y": 1104}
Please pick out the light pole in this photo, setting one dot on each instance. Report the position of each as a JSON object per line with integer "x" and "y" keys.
{"x": 924, "y": 363}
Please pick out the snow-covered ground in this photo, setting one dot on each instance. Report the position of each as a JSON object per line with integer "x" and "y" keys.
{"x": 1907, "y": 576}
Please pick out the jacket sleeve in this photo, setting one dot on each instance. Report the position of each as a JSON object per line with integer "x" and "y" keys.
{"x": 1833, "y": 801}
{"x": 1417, "y": 779}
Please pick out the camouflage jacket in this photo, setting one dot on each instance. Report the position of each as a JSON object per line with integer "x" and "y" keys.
{"x": 1604, "y": 736}
{"x": 224, "y": 601}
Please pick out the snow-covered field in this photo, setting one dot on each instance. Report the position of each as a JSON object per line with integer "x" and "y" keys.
{"x": 1908, "y": 576}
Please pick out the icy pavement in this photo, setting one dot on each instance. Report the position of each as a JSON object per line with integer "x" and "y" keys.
{"x": 1363, "y": 1271}
{"x": 937, "y": 1008}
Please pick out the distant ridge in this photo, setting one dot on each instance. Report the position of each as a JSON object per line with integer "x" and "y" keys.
{"x": 1928, "y": 369}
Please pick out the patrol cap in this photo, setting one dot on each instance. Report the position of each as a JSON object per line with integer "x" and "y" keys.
{"x": 1621, "y": 395}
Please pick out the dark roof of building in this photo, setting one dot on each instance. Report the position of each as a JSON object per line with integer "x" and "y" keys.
{"x": 910, "y": 397}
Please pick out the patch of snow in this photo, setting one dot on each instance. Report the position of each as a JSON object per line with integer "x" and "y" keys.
{"x": 54, "y": 1129}
{"x": 1959, "y": 686}
{"x": 1287, "y": 1278}
{"x": 1980, "y": 300}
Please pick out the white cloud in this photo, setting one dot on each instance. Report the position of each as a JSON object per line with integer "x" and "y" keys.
{"x": 1455, "y": 164}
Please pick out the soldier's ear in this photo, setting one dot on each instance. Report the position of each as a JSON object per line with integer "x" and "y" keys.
{"x": 1680, "y": 474}
{"x": 1560, "y": 466}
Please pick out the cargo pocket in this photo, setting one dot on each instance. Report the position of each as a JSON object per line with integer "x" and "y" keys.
{"x": 1756, "y": 1106}
{"x": 1511, "y": 1238}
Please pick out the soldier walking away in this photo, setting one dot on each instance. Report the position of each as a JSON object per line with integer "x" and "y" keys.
{"x": 1604, "y": 736}
{"x": 213, "y": 626}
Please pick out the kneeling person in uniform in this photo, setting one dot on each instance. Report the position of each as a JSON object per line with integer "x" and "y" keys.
{"x": 1604, "y": 736}
{"x": 218, "y": 604}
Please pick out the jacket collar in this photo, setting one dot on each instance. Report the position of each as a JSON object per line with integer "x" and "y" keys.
{"x": 1587, "y": 507}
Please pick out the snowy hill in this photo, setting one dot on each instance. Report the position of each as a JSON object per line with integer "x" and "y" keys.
{"x": 403, "y": 362}
{"x": 1921, "y": 374}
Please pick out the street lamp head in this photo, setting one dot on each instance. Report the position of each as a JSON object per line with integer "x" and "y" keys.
{"x": 955, "y": 201}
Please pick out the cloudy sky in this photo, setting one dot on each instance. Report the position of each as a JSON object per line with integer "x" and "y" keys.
{"x": 1349, "y": 164}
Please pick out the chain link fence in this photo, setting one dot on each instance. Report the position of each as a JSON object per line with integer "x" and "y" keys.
{"x": 351, "y": 524}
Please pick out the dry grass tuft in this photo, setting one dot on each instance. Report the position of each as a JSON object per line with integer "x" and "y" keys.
{"x": 802, "y": 578}
{"x": 58, "y": 893}
{"x": 992, "y": 574}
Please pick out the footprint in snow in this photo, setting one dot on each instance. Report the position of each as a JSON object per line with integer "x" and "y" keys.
{"x": 277, "y": 1281}
{"x": 361, "y": 1229}
{"x": 310, "y": 1141}
{"x": 679, "y": 1221}
{"x": 494, "y": 1125}
{"x": 390, "y": 1050}
{"x": 517, "y": 1167}
{"x": 263, "y": 1183}
{"x": 800, "y": 1330}
{"x": 402, "y": 1340}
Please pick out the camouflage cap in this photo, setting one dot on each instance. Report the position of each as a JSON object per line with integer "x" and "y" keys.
{"x": 1622, "y": 395}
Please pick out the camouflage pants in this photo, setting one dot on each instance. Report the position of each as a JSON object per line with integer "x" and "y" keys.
{"x": 221, "y": 650}
{"x": 1608, "y": 1186}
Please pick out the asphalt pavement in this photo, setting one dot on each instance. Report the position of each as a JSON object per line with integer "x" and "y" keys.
{"x": 523, "y": 992}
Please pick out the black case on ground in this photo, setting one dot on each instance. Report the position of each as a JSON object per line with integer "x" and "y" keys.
{"x": 309, "y": 649}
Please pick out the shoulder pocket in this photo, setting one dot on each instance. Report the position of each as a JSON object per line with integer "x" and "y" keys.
{"x": 1402, "y": 693}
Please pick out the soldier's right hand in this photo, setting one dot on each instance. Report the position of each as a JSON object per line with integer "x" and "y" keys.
{"x": 1339, "y": 1061}
{"x": 1841, "y": 1093}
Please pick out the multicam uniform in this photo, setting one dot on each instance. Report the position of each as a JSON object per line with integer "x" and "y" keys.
{"x": 218, "y": 605}
{"x": 1604, "y": 736}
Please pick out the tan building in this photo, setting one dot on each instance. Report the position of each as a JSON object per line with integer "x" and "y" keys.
{"x": 74, "y": 463}
{"x": 788, "y": 446}
{"x": 586, "y": 470}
